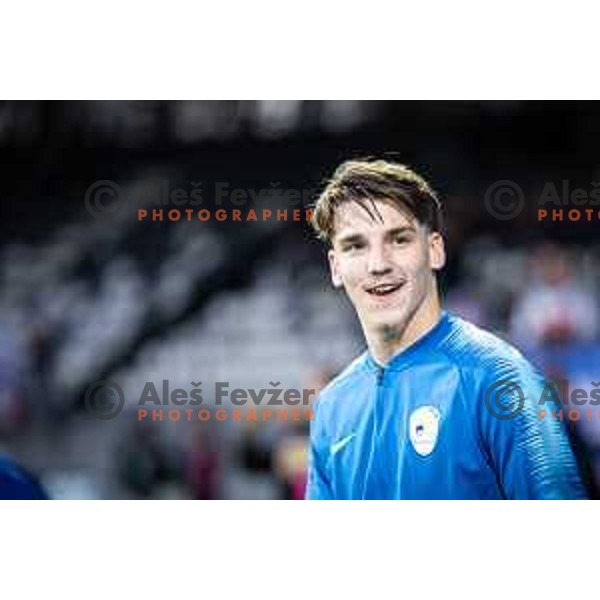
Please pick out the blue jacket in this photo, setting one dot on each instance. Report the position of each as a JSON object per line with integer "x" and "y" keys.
{"x": 453, "y": 416}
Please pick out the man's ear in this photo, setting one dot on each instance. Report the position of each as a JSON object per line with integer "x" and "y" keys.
{"x": 437, "y": 251}
{"x": 333, "y": 267}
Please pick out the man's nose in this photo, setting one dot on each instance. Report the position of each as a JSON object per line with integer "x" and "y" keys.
{"x": 378, "y": 262}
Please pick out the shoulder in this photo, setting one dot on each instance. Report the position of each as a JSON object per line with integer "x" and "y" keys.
{"x": 472, "y": 348}
{"x": 501, "y": 383}
{"x": 490, "y": 368}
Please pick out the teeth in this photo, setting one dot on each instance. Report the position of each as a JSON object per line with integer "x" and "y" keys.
{"x": 384, "y": 289}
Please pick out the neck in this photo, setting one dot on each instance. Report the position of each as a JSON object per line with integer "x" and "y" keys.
{"x": 388, "y": 342}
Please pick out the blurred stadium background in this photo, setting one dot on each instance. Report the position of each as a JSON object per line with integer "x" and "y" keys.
{"x": 87, "y": 297}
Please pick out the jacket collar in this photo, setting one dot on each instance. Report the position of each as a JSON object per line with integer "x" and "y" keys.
{"x": 428, "y": 341}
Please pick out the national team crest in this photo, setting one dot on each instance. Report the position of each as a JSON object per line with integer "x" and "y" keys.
{"x": 424, "y": 426}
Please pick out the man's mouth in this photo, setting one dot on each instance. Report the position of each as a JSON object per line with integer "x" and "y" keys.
{"x": 384, "y": 289}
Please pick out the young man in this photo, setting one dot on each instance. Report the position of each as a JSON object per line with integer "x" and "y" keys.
{"x": 436, "y": 408}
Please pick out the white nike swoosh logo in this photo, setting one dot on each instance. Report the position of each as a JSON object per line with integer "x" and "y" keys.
{"x": 335, "y": 448}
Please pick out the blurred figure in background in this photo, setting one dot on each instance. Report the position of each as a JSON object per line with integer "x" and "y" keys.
{"x": 291, "y": 462}
{"x": 143, "y": 465}
{"x": 557, "y": 316}
{"x": 555, "y": 308}
{"x": 203, "y": 476}
{"x": 13, "y": 361}
{"x": 40, "y": 350}
{"x": 255, "y": 448}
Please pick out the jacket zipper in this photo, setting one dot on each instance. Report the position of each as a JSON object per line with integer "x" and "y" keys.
{"x": 374, "y": 467}
{"x": 380, "y": 374}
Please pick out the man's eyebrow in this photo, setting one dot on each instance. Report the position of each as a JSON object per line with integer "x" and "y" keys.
{"x": 359, "y": 237}
{"x": 350, "y": 237}
{"x": 403, "y": 229}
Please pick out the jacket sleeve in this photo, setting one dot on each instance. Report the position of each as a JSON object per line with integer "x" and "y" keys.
{"x": 318, "y": 485}
{"x": 529, "y": 451}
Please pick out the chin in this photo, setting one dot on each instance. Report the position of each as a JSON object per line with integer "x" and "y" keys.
{"x": 388, "y": 321}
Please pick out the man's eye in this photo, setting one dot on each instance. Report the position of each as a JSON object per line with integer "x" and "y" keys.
{"x": 400, "y": 241}
{"x": 353, "y": 246}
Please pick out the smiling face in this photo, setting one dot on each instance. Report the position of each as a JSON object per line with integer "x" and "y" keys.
{"x": 385, "y": 260}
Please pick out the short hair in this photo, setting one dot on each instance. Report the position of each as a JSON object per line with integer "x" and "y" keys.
{"x": 368, "y": 179}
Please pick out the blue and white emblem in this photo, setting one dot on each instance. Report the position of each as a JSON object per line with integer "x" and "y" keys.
{"x": 424, "y": 427}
